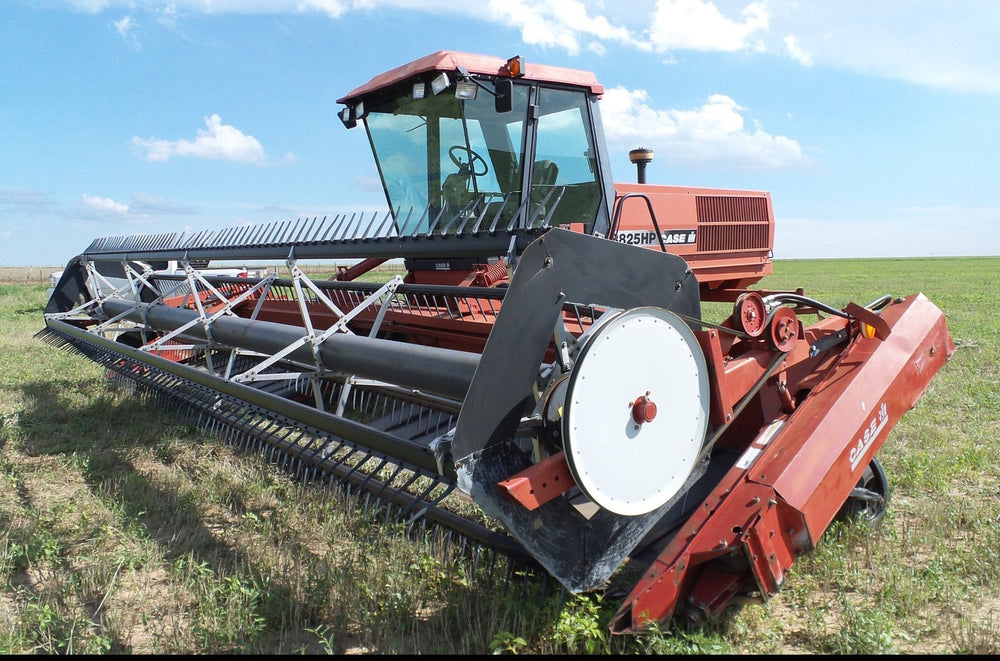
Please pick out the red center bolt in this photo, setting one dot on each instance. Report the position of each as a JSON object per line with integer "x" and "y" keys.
{"x": 643, "y": 409}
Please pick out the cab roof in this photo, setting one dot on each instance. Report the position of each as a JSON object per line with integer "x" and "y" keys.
{"x": 445, "y": 60}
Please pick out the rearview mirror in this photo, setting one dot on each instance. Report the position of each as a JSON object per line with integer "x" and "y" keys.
{"x": 503, "y": 94}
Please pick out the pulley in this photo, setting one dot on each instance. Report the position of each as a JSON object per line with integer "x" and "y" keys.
{"x": 635, "y": 410}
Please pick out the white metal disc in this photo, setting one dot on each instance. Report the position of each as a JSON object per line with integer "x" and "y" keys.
{"x": 624, "y": 462}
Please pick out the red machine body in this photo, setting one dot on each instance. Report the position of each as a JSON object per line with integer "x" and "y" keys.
{"x": 726, "y": 236}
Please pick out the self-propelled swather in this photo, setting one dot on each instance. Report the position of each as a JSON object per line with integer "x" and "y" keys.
{"x": 545, "y": 356}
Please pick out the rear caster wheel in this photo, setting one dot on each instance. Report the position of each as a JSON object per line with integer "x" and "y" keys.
{"x": 869, "y": 499}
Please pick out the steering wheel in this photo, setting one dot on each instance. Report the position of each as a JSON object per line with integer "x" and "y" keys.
{"x": 473, "y": 159}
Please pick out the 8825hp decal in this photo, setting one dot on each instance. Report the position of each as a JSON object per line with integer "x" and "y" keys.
{"x": 648, "y": 237}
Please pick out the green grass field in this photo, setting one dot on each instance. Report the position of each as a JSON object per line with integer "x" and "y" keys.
{"x": 123, "y": 530}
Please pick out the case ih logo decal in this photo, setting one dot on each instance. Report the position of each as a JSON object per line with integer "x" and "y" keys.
{"x": 874, "y": 428}
{"x": 648, "y": 238}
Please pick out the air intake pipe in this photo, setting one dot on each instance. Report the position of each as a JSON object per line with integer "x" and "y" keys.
{"x": 641, "y": 156}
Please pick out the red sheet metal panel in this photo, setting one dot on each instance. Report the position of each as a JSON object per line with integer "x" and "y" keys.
{"x": 868, "y": 391}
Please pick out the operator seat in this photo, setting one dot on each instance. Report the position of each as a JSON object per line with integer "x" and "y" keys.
{"x": 543, "y": 179}
{"x": 545, "y": 174}
{"x": 455, "y": 189}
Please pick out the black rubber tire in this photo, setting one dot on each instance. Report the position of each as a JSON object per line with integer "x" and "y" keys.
{"x": 863, "y": 510}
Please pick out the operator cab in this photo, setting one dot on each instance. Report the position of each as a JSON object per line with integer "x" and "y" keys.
{"x": 479, "y": 146}
{"x": 478, "y": 142}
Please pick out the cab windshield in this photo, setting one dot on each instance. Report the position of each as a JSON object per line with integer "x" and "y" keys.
{"x": 449, "y": 158}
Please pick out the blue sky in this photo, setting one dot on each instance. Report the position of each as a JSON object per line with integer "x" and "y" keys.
{"x": 875, "y": 125}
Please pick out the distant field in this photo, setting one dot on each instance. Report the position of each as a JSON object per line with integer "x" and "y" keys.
{"x": 26, "y": 275}
{"x": 125, "y": 530}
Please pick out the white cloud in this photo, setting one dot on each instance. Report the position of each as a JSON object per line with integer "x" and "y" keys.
{"x": 710, "y": 136}
{"x": 557, "y": 23}
{"x": 145, "y": 208}
{"x": 332, "y": 8}
{"x": 24, "y": 199}
{"x": 126, "y": 28}
{"x": 597, "y": 48}
{"x": 217, "y": 141}
{"x": 699, "y": 25}
{"x": 123, "y": 25}
{"x": 92, "y": 6}
{"x": 167, "y": 16}
{"x": 792, "y": 44}
{"x": 950, "y": 45}
{"x": 103, "y": 205}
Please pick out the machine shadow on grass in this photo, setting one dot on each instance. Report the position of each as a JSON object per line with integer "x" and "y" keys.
{"x": 163, "y": 503}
